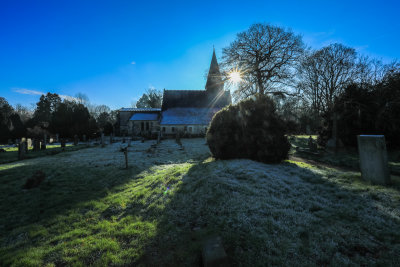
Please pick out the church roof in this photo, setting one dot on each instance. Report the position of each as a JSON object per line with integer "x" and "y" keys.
{"x": 144, "y": 117}
{"x": 141, "y": 109}
{"x": 195, "y": 99}
{"x": 188, "y": 116}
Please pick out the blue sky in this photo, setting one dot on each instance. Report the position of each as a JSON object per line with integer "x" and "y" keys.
{"x": 112, "y": 51}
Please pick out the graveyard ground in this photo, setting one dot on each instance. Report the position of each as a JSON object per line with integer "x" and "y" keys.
{"x": 89, "y": 210}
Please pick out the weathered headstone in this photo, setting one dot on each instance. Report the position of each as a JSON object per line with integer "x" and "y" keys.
{"x": 213, "y": 253}
{"x": 21, "y": 150}
{"x": 76, "y": 140}
{"x": 36, "y": 144}
{"x": 373, "y": 158}
{"x": 51, "y": 140}
{"x": 29, "y": 142}
{"x": 312, "y": 146}
{"x": 62, "y": 143}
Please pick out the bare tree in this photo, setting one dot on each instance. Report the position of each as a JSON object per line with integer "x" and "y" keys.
{"x": 325, "y": 73}
{"x": 265, "y": 55}
{"x": 151, "y": 99}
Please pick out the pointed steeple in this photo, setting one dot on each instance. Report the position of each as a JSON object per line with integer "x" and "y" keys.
{"x": 214, "y": 79}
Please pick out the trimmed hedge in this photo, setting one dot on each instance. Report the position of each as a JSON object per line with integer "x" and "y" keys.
{"x": 250, "y": 129}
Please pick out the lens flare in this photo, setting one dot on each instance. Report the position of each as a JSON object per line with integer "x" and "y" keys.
{"x": 235, "y": 77}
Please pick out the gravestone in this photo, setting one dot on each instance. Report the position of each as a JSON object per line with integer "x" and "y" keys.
{"x": 29, "y": 142}
{"x": 57, "y": 138}
{"x": 51, "y": 140}
{"x": 84, "y": 138}
{"x": 76, "y": 140}
{"x": 21, "y": 150}
{"x": 36, "y": 144}
{"x": 312, "y": 146}
{"x": 373, "y": 159}
{"x": 43, "y": 146}
{"x": 62, "y": 143}
{"x": 213, "y": 253}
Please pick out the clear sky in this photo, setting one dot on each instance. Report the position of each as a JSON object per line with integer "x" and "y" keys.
{"x": 112, "y": 51}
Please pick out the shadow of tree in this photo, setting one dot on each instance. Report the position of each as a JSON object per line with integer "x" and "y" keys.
{"x": 276, "y": 215}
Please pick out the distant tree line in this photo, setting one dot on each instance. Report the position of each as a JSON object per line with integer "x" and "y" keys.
{"x": 52, "y": 115}
{"x": 310, "y": 86}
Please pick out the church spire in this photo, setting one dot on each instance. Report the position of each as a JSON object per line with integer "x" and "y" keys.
{"x": 214, "y": 78}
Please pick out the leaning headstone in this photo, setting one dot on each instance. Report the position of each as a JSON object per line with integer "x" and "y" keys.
{"x": 21, "y": 150}
{"x": 213, "y": 253}
{"x": 373, "y": 159}
{"x": 76, "y": 140}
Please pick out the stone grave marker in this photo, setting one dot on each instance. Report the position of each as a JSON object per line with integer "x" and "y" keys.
{"x": 29, "y": 142}
{"x": 213, "y": 253}
{"x": 62, "y": 143}
{"x": 21, "y": 150}
{"x": 373, "y": 159}
{"x": 36, "y": 144}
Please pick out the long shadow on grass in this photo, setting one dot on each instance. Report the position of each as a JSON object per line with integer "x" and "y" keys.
{"x": 71, "y": 188}
{"x": 274, "y": 215}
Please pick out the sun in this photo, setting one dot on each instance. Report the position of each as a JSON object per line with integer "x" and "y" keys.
{"x": 235, "y": 77}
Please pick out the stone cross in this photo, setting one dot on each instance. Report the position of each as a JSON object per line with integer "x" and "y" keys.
{"x": 373, "y": 159}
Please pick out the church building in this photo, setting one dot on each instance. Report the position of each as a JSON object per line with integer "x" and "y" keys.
{"x": 183, "y": 111}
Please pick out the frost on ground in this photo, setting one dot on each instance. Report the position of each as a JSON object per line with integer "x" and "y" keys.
{"x": 281, "y": 214}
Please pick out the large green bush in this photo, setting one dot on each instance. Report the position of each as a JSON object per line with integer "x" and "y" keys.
{"x": 250, "y": 129}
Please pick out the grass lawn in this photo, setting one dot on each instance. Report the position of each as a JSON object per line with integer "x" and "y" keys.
{"x": 91, "y": 211}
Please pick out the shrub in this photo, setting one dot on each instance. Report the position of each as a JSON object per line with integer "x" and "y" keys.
{"x": 250, "y": 129}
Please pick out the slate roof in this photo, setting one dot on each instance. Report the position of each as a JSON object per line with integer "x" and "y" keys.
{"x": 141, "y": 109}
{"x": 144, "y": 117}
{"x": 188, "y": 116}
{"x": 195, "y": 99}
